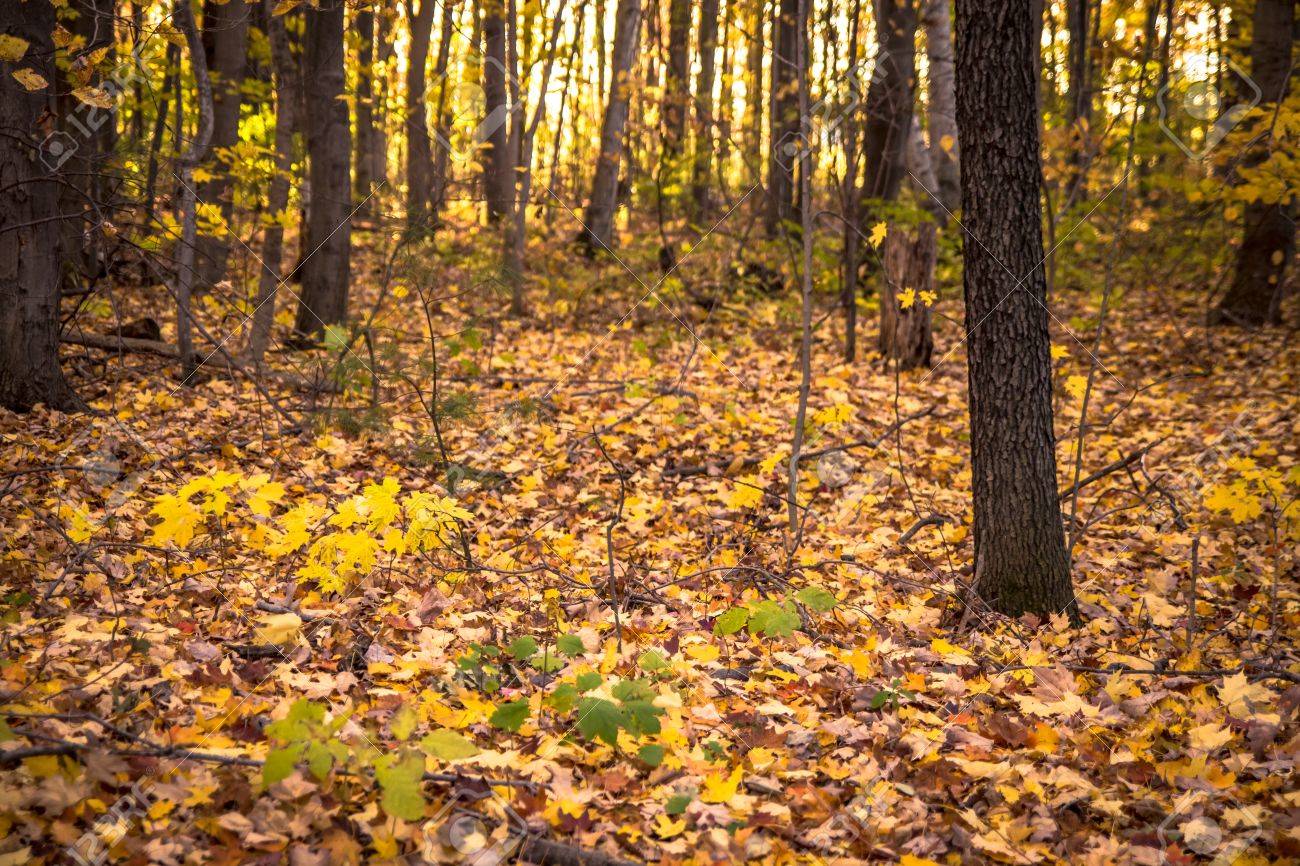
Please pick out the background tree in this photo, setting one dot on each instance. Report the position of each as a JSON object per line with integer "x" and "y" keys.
{"x": 598, "y": 222}
{"x": 225, "y": 37}
{"x": 942, "y": 109}
{"x": 364, "y": 156}
{"x": 326, "y": 270}
{"x": 789, "y": 29}
{"x": 1020, "y": 558}
{"x": 419, "y": 154}
{"x": 1268, "y": 230}
{"x": 498, "y": 162}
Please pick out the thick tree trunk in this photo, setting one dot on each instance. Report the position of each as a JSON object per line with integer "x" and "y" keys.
{"x": 286, "y": 84}
{"x": 784, "y": 147}
{"x": 419, "y": 156}
{"x": 704, "y": 111}
{"x": 890, "y": 97}
{"x": 364, "y": 159}
{"x": 1268, "y": 236}
{"x": 225, "y": 27}
{"x": 909, "y": 258}
{"x": 598, "y": 228}
{"x": 29, "y": 209}
{"x": 326, "y": 269}
{"x": 1020, "y": 558}
{"x": 498, "y": 162}
{"x": 942, "y": 111}
{"x": 755, "y": 50}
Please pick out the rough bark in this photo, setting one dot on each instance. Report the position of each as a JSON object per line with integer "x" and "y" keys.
{"x": 599, "y": 218}
{"x": 442, "y": 109}
{"x": 890, "y": 97}
{"x": 942, "y": 110}
{"x": 364, "y": 158}
{"x": 498, "y": 175}
{"x": 326, "y": 269}
{"x": 1268, "y": 233}
{"x": 286, "y": 84}
{"x": 784, "y": 145}
{"x": 909, "y": 258}
{"x": 225, "y": 28}
{"x": 29, "y": 244}
{"x": 419, "y": 155}
{"x": 1020, "y": 558}
{"x": 704, "y": 110}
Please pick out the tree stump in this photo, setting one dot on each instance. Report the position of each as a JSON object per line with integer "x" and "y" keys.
{"x": 909, "y": 259}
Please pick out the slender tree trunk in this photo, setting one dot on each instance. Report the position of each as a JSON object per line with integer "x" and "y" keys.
{"x": 384, "y": 19}
{"x": 755, "y": 50}
{"x": 327, "y": 268}
{"x": 29, "y": 208}
{"x": 942, "y": 113}
{"x": 704, "y": 136}
{"x": 1020, "y": 557}
{"x": 1078, "y": 110}
{"x": 598, "y": 228}
{"x": 1268, "y": 233}
{"x": 890, "y": 99}
{"x": 677, "y": 94}
{"x": 849, "y": 204}
{"x": 419, "y": 156}
{"x": 498, "y": 162}
{"x": 363, "y": 173}
{"x": 165, "y": 103}
{"x": 441, "y": 164}
{"x": 226, "y": 27}
{"x": 286, "y": 84}
{"x": 909, "y": 259}
{"x": 784, "y": 148}
{"x": 183, "y": 17}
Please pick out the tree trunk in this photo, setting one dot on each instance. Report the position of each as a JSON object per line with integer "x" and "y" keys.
{"x": 364, "y": 159}
{"x": 185, "y": 274}
{"x": 889, "y": 100}
{"x": 419, "y": 156}
{"x": 677, "y": 96}
{"x": 29, "y": 208}
{"x": 225, "y": 26}
{"x": 704, "y": 111}
{"x": 1020, "y": 558}
{"x": 784, "y": 147}
{"x": 326, "y": 270}
{"x": 1078, "y": 109}
{"x": 1268, "y": 235}
{"x": 942, "y": 112}
{"x": 286, "y": 84}
{"x": 384, "y": 20}
{"x": 443, "y": 118}
{"x": 909, "y": 258}
{"x": 498, "y": 163}
{"x": 599, "y": 223}
{"x": 755, "y": 50}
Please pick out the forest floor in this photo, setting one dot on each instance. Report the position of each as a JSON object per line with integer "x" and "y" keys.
{"x": 191, "y": 586}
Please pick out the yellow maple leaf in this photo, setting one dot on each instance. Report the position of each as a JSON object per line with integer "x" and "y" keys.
{"x": 929, "y": 298}
{"x": 1077, "y": 385}
{"x": 906, "y": 299}
{"x": 667, "y": 828}
{"x": 1236, "y": 499}
{"x": 878, "y": 232}
{"x": 1059, "y": 352}
{"x": 279, "y": 628}
{"x": 719, "y": 788}
{"x": 744, "y": 493}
